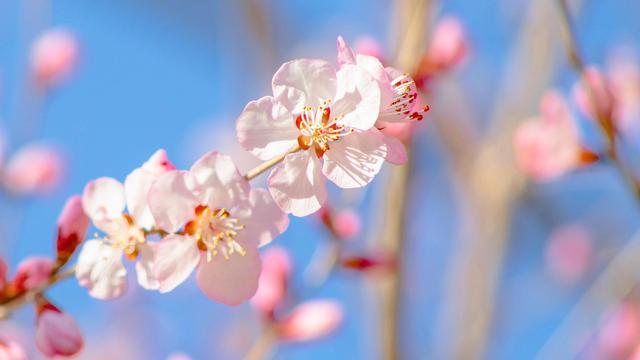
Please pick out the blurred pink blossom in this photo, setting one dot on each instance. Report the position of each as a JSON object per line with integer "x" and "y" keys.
{"x": 620, "y": 332}
{"x": 311, "y": 320}
{"x": 33, "y": 272}
{"x": 72, "y": 228}
{"x": 274, "y": 278}
{"x": 569, "y": 253}
{"x": 623, "y": 74}
{"x": 449, "y": 44}
{"x": 346, "y": 223}
{"x": 57, "y": 334}
{"x": 368, "y": 45}
{"x": 53, "y": 57}
{"x": 35, "y": 168}
{"x": 10, "y": 350}
{"x": 178, "y": 356}
{"x": 601, "y": 92}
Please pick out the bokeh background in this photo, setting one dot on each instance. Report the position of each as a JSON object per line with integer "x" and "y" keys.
{"x": 176, "y": 74}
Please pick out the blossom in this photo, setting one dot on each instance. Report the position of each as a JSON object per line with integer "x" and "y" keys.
{"x": 330, "y": 116}
{"x": 274, "y": 278}
{"x": 72, "y": 227}
{"x": 602, "y": 95}
{"x": 100, "y": 266}
{"x": 53, "y": 56}
{"x": 367, "y": 45}
{"x": 223, "y": 223}
{"x": 569, "y": 252}
{"x": 11, "y": 350}
{"x": 620, "y": 331}
{"x": 311, "y": 320}
{"x": 35, "y": 168}
{"x": 549, "y": 145}
{"x": 449, "y": 45}
{"x": 57, "y": 333}
{"x": 32, "y": 273}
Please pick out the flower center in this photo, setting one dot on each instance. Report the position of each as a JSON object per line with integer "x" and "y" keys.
{"x": 127, "y": 237}
{"x": 215, "y": 231}
{"x": 318, "y": 129}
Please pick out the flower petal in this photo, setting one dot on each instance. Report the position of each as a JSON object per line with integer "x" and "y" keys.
{"x": 103, "y": 200}
{"x": 266, "y": 128}
{"x": 357, "y": 98}
{"x": 172, "y": 200}
{"x": 221, "y": 183}
{"x": 304, "y": 82}
{"x": 346, "y": 55}
{"x": 353, "y": 161}
{"x": 175, "y": 258}
{"x": 231, "y": 281}
{"x": 145, "y": 267}
{"x": 100, "y": 269}
{"x": 396, "y": 151}
{"x": 297, "y": 185}
{"x": 266, "y": 220}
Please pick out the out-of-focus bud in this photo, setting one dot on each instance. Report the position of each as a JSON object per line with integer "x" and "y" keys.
{"x": 274, "y": 278}
{"x": 159, "y": 163}
{"x": 377, "y": 262}
{"x": 72, "y": 228}
{"x": 601, "y": 92}
{"x": 10, "y": 350}
{"x": 620, "y": 333}
{"x": 569, "y": 253}
{"x": 346, "y": 223}
{"x": 35, "y": 168}
{"x": 178, "y": 356}
{"x": 33, "y": 272}
{"x": 311, "y": 320}
{"x": 624, "y": 82}
{"x": 54, "y": 56}
{"x": 367, "y": 45}
{"x": 57, "y": 333}
{"x": 3, "y": 275}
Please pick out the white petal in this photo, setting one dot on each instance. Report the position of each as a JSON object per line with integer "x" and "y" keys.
{"x": 103, "y": 200}
{"x": 145, "y": 267}
{"x": 355, "y": 159}
{"x": 346, "y": 55}
{"x": 304, "y": 82}
{"x": 172, "y": 200}
{"x": 396, "y": 151}
{"x": 221, "y": 184}
{"x": 175, "y": 258}
{"x": 297, "y": 184}
{"x": 357, "y": 98}
{"x": 265, "y": 220}
{"x": 266, "y": 128}
{"x": 100, "y": 269}
{"x": 137, "y": 185}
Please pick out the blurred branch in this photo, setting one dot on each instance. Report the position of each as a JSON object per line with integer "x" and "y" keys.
{"x": 14, "y": 303}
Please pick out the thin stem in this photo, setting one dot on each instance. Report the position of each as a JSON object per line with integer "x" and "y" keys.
{"x": 251, "y": 174}
{"x": 265, "y": 344}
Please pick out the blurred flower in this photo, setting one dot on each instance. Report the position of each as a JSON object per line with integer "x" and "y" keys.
{"x": 569, "y": 252}
{"x": 35, "y": 168}
{"x": 624, "y": 81}
{"x": 221, "y": 215}
{"x": 11, "y": 350}
{"x": 549, "y": 145}
{"x": 313, "y": 106}
{"x": 367, "y": 45}
{"x": 72, "y": 228}
{"x": 54, "y": 55}
{"x": 368, "y": 263}
{"x": 311, "y": 320}
{"x": 620, "y": 332}
{"x": 32, "y": 273}
{"x": 57, "y": 334}
{"x": 100, "y": 266}
{"x": 601, "y": 92}
{"x": 178, "y": 356}
{"x": 346, "y": 223}
{"x": 3, "y": 275}
{"x": 274, "y": 278}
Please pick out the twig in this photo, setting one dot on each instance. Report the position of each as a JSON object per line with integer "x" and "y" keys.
{"x": 251, "y": 174}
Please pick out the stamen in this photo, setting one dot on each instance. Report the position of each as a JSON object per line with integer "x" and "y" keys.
{"x": 318, "y": 129}
{"x": 215, "y": 232}
{"x": 404, "y": 100}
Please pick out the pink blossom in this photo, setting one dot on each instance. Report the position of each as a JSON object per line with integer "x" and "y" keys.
{"x": 449, "y": 45}
{"x": 35, "y": 168}
{"x": 224, "y": 222}
{"x": 549, "y": 145}
{"x": 32, "y": 273}
{"x": 72, "y": 228}
{"x": 57, "y": 334}
{"x": 601, "y": 91}
{"x": 346, "y": 223}
{"x": 569, "y": 253}
{"x": 367, "y": 45}
{"x": 53, "y": 56}
{"x": 620, "y": 332}
{"x": 624, "y": 82}
{"x": 313, "y": 107}
{"x": 274, "y": 278}
{"x": 100, "y": 266}
{"x": 10, "y": 350}
{"x": 311, "y": 320}
{"x": 178, "y": 356}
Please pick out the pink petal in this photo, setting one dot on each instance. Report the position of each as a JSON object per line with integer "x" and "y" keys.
{"x": 569, "y": 252}
{"x": 357, "y": 98}
{"x": 311, "y": 320}
{"x": 231, "y": 281}
{"x": 53, "y": 56}
{"x": 304, "y": 82}
{"x": 602, "y": 92}
{"x": 353, "y": 161}
{"x": 221, "y": 183}
{"x": 33, "y": 272}
{"x": 57, "y": 334}
{"x": 367, "y": 45}
{"x": 145, "y": 266}
{"x": 346, "y": 55}
{"x": 35, "y": 168}
{"x": 272, "y": 286}
{"x": 347, "y": 224}
{"x": 175, "y": 258}
{"x": 266, "y": 129}
{"x": 396, "y": 151}
{"x": 266, "y": 220}
{"x": 103, "y": 200}
{"x": 100, "y": 269}
{"x": 449, "y": 44}
{"x": 158, "y": 163}
{"x": 297, "y": 185}
{"x": 72, "y": 227}
{"x": 10, "y": 350}
{"x": 172, "y": 200}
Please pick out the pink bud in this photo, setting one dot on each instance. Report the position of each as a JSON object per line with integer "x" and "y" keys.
{"x": 369, "y": 262}
{"x": 620, "y": 332}
{"x": 35, "y": 168}
{"x": 72, "y": 228}
{"x": 569, "y": 253}
{"x": 32, "y": 273}
{"x": 449, "y": 44}
{"x": 53, "y": 56}
{"x": 3, "y": 274}
{"x": 159, "y": 163}
{"x": 10, "y": 350}
{"x": 601, "y": 91}
{"x": 311, "y": 320}
{"x": 57, "y": 334}
{"x": 346, "y": 224}
{"x": 367, "y": 45}
{"x": 274, "y": 278}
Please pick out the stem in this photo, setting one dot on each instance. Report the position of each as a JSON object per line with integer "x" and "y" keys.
{"x": 265, "y": 344}
{"x": 604, "y": 119}
{"x": 251, "y": 174}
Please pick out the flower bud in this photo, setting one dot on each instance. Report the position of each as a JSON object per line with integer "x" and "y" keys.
{"x": 57, "y": 333}
{"x": 72, "y": 228}
{"x": 311, "y": 320}
{"x": 346, "y": 224}
{"x": 368, "y": 263}
{"x": 54, "y": 56}
{"x": 449, "y": 44}
{"x": 32, "y": 273}
{"x": 601, "y": 94}
{"x": 35, "y": 168}
{"x": 367, "y": 45}
{"x": 10, "y": 350}
{"x": 274, "y": 278}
